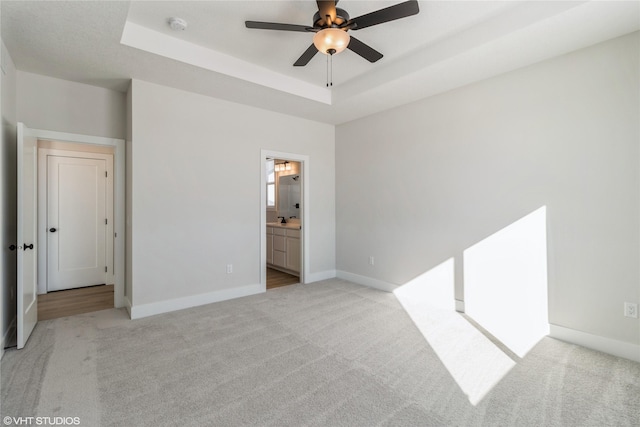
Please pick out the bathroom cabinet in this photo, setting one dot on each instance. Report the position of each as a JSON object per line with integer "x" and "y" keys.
{"x": 283, "y": 249}
{"x": 269, "y": 245}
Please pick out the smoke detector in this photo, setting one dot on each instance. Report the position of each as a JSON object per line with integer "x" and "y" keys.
{"x": 177, "y": 24}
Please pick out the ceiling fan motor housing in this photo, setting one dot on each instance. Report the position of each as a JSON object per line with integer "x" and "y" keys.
{"x": 320, "y": 22}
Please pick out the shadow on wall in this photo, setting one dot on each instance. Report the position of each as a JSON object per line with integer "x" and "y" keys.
{"x": 505, "y": 293}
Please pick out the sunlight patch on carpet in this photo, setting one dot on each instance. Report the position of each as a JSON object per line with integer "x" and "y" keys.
{"x": 474, "y": 362}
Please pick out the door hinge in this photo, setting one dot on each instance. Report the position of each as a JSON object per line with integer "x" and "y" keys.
{"x": 105, "y": 268}
{"x": 105, "y": 221}
{"x": 106, "y": 174}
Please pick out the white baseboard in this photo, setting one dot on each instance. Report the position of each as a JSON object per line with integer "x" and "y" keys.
{"x": 459, "y": 306}
{"x": 595, "y": 342}
{"x": 366, "y": 281}
{"x": 150, "y": 309}
{"x": 321, "y": 275}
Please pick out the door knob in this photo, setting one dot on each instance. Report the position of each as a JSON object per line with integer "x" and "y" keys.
{"x": 53, "y": 230}
{"x": 13, "y": 247}
{"x": 28, "y": 246}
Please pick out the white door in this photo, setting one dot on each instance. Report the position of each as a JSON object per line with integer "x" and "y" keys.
{"x": 77, "y": 222}
{"x": 27, "y": 312}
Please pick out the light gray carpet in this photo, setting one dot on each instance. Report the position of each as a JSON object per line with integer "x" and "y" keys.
{"x": 327, "y": 354}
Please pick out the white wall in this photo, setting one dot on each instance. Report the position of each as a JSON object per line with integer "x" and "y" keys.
{"x": 195, "y": 194}
{"x": 421, "y": 183}
{"x": 60, "y": 105}
{"x": 8, "y": 195}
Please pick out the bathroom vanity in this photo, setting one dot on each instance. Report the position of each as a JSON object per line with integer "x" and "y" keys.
{"x": 283, "y": 247}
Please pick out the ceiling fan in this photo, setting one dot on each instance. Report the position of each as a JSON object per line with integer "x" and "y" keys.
{"x": 331, "y": 25}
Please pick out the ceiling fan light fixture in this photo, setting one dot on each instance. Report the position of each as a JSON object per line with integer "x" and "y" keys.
{"x": 331, "y": 40}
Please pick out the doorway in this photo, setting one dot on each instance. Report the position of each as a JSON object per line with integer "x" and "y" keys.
{"x": 32, "y": 227}
{"x": 75, "y": 222}
{"x": 75, "y": 216}
{"x": 284, "y": 219}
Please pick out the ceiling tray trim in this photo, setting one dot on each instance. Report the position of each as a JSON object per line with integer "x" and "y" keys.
{"x": 143, "y": 38}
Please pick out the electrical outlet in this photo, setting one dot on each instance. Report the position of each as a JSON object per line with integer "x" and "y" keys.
{"x": 630, "y": 310}
{"x": 229, "y": 268}
{"x": 371, "y": 260}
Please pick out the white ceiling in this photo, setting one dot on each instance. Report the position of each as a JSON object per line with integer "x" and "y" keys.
{"x": 447, "y": 45}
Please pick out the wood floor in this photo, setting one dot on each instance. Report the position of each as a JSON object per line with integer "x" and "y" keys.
{"x": 74, "y": 301}
{"x": 276, "y": 279}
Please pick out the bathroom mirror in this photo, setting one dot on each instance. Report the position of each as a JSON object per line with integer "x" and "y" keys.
{"x": 289, "y": 196}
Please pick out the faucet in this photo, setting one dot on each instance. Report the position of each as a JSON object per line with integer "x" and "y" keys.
{"x": 284, "y": 221}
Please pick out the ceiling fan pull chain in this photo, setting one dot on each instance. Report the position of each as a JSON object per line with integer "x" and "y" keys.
{"x": 331, "y": 70}
{"x": 328, "y": 70}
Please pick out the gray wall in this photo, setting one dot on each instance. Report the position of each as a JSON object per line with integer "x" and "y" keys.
{"x": 59, "y": 105}
{"x": 421, "y": 183}
{"x": 195, "y": 192}
{"x": 8, "y": 196}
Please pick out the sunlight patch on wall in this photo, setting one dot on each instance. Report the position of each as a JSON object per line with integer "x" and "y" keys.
{"x": 474, "y": 362}
{"x": 433, "y": 289}
{"x": 505, "y": 283}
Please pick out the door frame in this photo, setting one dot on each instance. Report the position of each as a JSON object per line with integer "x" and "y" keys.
{"x": 43, "y": 210}
{"x": 118, "y": 199}
{"x": 305, "y": 166}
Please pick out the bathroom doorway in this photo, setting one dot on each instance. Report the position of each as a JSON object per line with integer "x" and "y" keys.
{"x": 283, "y": 220}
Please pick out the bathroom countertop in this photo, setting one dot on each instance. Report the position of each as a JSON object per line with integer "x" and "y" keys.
{"x": 290, "y": 225}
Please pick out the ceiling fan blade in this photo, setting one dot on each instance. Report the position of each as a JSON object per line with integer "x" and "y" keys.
{"x": 306, "y": 56}
{"x": 276, "y": 26}
{"x": 326, "y": 8}
{"x": 391, "y": 13}
{"x": 364, "y": 50}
